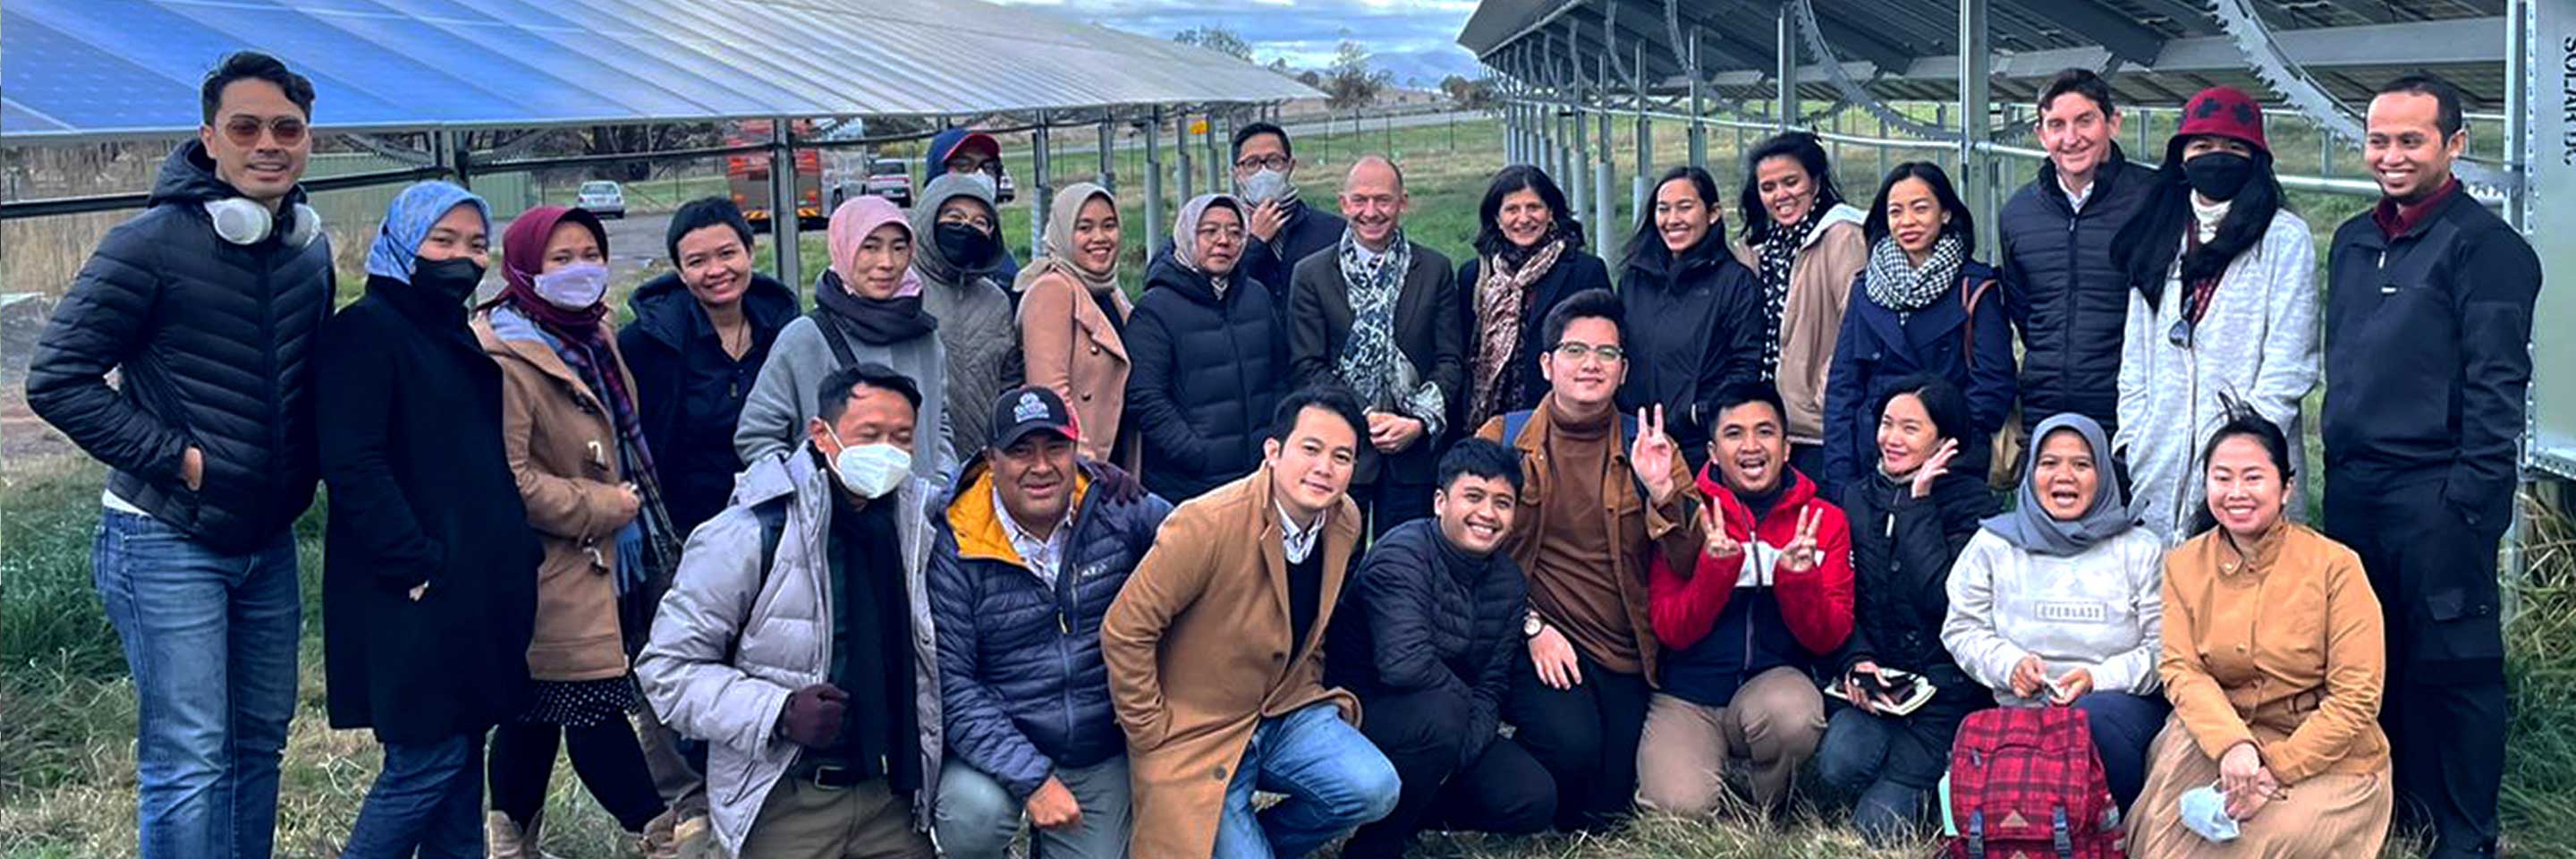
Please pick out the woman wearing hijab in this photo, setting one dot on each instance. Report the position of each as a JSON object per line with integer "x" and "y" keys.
{"x": 1910, "y": 517}
{"x": 2222, "y": 304}
{"x": 429, "y": 570}
{"x": 960, "y": 267}
{"x": 1529, "y": 255}
{"x": 1210, "y": 353}
{"x": 576, "y": 446}
{"x": 2060, "y": 602}
{"x": 1805, "y": 245}
{"x": 1924, "y": 305}
{"x": 868, "y": 308}
{"x": 2274, "y": 658}
{"x": 1073, "y": 320}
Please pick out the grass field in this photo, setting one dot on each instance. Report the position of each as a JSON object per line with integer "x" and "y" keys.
{"x": 67, "y": 711}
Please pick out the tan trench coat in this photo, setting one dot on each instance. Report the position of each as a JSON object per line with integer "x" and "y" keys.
{"x": 1068, "y": 344}
{"x": 1198, "y": 653}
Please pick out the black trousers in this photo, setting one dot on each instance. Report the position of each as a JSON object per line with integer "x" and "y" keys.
{"x": 606, "y": 756}
{"x": 2444, "y": 704}
{"x": 1424, "y": 734}
{"x": 1585, "y": 736}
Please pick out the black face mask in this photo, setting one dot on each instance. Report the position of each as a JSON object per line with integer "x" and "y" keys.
{"x": 2218, "y": 176}
{"x": 449, "y": 280}
{"x": 965, "y": 247}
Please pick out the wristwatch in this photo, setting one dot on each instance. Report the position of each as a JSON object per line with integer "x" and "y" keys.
{"x": 1531, "y": 626}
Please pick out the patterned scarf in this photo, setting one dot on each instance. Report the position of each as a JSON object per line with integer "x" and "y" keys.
{"x": 1897, "y": 284}
{"x": 1779, "y": 260}
{"x": 1370, "y": 363}
{"x": 1503, "y": 301}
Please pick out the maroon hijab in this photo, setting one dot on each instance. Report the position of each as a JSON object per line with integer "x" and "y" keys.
{"x": 523, "y": 254}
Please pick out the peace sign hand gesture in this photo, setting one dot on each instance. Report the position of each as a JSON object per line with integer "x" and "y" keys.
{"x": 1935, "y": 467}
{"x": 1712, "y": 521}
{"x": 1802, "y": 554}
{"x": 1652, "y": 455}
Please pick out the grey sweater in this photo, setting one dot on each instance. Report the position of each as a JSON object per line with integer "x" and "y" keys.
{"x": 2102, "y": 611}
{"x": 789, "y": 393}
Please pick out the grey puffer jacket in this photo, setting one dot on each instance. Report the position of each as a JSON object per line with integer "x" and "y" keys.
{"x": 732, "y": 640}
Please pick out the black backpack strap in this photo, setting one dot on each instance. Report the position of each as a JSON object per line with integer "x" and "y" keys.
{"x": 773, "y": 527}
{"x": 2059, "y": 834}
{"x": 834, "y": 337}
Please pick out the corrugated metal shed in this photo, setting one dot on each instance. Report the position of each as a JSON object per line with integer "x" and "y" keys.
{"x": 91, "y": 68}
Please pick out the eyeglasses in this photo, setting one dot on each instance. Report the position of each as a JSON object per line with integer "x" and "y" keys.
{"x": 1263, "y": 162}
{"x": 1573, "y": 351}
{"x": 244, "y": 130}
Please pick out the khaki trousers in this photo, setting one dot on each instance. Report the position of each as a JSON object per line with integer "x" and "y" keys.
{"x": 803, "y": 821}
{"x": 1775, "y": 721}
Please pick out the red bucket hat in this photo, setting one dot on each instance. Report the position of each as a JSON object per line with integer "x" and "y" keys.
{"x": 2224, "y": 111}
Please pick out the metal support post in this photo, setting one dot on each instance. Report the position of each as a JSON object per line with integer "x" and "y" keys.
{"x": 1788, "y": 72}
{"x": 1604, "y": 203}
{"x": 1181, "y": 145}
{"x": 1108, "y": 177}
{"x": 456, "y": 156}
{"x": 1154, "y": 181}
{"x": 782, "y": 203}
{"x": 1216, "y": 166}
{"x": 1976, "y": 167}
{"x": 1578, "y": 162}
{"x": 1883, "y": 166}
{"x": 1698, "y": 106}
{"x": 1645, "y": 141}
{"x": 1041, "y": 142}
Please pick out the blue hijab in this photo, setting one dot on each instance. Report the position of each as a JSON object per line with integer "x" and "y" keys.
{"x": 408, "y": 222}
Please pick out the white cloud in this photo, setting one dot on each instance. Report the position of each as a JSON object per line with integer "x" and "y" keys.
{"x": 1414, "y": 37}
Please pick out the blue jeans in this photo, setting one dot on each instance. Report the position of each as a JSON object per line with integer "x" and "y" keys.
{"x": 1888, "y": 766}
{"x": 428, "y": 801}
{"x": 211, "y": 641}
{"x": 1334, "y": 778}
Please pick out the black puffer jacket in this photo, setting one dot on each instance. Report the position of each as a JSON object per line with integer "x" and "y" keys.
{"x": 691, "y": 393}
{"x": 212, "y": 339}
{"x": 1694, "y": 327}
{"x": 2065, "y": 293}
{"x": 1207, "y": 373}
{"x": 1421, "y": 615}
{"x": 1902, "y": 549}
{"x": 1020, "y": 673}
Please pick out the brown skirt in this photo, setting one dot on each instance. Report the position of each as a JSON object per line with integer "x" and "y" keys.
{"x": 2328, "y": 816}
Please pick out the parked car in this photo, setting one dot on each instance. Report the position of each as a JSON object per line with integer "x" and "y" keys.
{"x": 603, "y": 198}
{"x": 1003, "y": 189}
{"x": 891, "y": 178}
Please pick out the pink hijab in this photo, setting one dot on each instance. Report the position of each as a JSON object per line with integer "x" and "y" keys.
{"x": 851, "y": 224}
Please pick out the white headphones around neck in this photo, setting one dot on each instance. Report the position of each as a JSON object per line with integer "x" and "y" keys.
{"x": 242, "y": 222}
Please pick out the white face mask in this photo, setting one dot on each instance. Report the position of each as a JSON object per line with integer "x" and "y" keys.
{"x": 1263, "y": 186}
{"x": 574, "y": 287}
{"x": 983, "y": 178}
{"x": 2204, "y": 812}
{"x": 871, "y": 470}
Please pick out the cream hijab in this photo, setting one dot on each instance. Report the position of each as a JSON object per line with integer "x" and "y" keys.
{"x": 1056, "y": 252}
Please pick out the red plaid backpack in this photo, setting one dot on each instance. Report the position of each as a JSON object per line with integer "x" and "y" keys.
{"x": 2025, "y": 783}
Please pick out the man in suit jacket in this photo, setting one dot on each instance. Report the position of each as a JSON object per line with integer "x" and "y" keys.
{"x": 1376, "y": 313}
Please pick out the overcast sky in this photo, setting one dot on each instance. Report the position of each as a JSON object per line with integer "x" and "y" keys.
{"x": 1406, "y": 32}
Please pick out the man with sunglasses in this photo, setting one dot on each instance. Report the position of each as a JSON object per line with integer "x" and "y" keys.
{"x": 207, "y": 305}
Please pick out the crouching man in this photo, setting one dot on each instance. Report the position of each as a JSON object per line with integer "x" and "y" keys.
{"x": 797, "y": 639}
{"x": 1030, "y": 552}
{"x": 1216, "y": 664}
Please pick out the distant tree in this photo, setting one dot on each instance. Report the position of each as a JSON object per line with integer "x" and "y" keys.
{"x": 1478, "y": 94}
{"x": 1279, "y": 65}
{"x": 1311, "y": 78}
{"x": 1351, "y": 82}
{"x": 1218, "y": 38}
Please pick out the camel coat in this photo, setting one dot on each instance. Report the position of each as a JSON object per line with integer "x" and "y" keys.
{"x": 1198, "y": 653}
{"x": 1068, "y": 344}
{"x": 563, "y": 451}
{"x": 1812, "y": 317}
